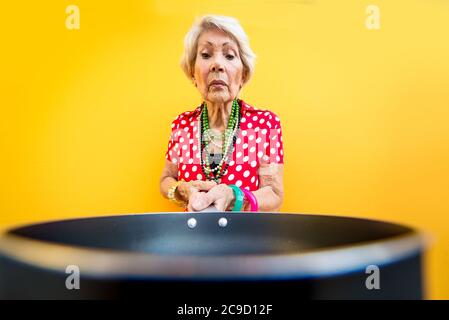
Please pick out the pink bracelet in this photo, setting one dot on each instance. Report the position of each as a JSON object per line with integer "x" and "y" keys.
{"x": 252, "y": 199}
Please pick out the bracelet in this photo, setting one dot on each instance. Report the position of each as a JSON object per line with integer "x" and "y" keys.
{"x": 171, "y": 194}
{"x": 252, "y": 200}
{"x": 238, "y": 197}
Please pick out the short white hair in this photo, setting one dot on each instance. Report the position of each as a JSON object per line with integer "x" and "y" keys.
{"x": 228, "y": 25}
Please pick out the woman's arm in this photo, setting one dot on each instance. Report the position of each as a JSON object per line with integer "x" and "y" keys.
{"x": 189, "y": 192}
{"x": 270, "y": 194}
{"x": 168, "y": 177}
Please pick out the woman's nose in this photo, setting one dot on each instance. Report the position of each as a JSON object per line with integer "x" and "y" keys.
{"x": 217, "y": 66}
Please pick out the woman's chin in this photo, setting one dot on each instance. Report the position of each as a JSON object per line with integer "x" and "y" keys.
{"x": 218, "y": 97}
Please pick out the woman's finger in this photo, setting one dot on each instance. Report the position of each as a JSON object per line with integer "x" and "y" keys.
{"x": 221, "y": 196}
{"x": 204, "y": 185}
{"x": 199, "y": 201}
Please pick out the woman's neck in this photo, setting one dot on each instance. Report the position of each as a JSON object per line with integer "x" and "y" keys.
{"x": 218, "y": 114}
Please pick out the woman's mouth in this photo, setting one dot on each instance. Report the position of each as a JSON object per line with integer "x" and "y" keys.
{"x": 217, "y": 84}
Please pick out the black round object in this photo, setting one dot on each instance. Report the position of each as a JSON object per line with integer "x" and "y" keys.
{"x": 317, "y": 256}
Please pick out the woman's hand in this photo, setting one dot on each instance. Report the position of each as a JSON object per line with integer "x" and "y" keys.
{"x": 220, "y": 195}
{"x": 191, "y": 191}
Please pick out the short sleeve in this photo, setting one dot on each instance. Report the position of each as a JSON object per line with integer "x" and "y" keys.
{"x": 173, "y": 145}
{"x": 273, "y": 146}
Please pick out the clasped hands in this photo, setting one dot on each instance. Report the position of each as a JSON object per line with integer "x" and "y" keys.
{"x": 202, "y": 194}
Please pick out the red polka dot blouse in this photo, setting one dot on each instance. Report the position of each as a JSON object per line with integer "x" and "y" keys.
{"x": 259, "y": 141}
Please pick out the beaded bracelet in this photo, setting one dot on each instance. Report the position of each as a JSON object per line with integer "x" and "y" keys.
{"x": 252, "y": 200}
{"x": 239, "y": 196}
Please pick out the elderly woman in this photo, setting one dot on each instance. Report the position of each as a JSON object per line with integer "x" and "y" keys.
{"x": 224, "y": 153}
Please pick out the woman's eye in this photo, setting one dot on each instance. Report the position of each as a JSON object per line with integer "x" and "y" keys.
{"x": 229, "y": 56}
{"x": 205, "y": 55}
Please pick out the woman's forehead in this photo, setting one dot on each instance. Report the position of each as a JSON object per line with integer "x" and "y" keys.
{"x": 216, "y": 38}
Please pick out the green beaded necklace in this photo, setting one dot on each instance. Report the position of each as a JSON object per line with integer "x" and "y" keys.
{"x": 229, "y": 140}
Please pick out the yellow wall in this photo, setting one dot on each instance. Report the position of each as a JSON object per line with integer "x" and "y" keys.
{"x": 85, "y": 113}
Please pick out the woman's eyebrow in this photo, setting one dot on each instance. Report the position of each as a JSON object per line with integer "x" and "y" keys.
{"x": 211, "y": 44}
{"x": 225, "y": 45}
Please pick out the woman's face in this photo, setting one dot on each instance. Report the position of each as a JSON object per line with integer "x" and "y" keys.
{"x": 218, "y": 72}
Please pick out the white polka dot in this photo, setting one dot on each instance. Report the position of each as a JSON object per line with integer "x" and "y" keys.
{"x": 268, "y": 124}
{"x": 172, "y": 125}
{"x": 276, "y": 118}
{"x": 244, "y": 133}
{"x": 265, "y": 144}
{"x": 231, "y": 177}
{"x": 186, "y": 129}
{"x": 265, "y": 157}
{"x": 243, "y": 120}
{"x": 260, "y": 154}
{"x": 183, "y": 167}
{"x": 255, "y": 118}
{"x": 198, "y": 155}
{"x": 245, "y": 145}
{"x": 238, "y": 141}
{"x": 188, "y": 154}
{"x": 245, "y": 159}
{"x": 181, "y": 160}
{"x": 191, "y": 141}
{"x": 272, "y": 151}
{"x": 184, "y": 147}
{"x": 257, "y": 129}
{"x": 251, "y": 137}
{"x": 278, "y": 159}
{"x": 238, "y": 168}
{"x": 282, "y": 152}
{"x": 250, "y": 125}
{"x": 194, "y": 128}
{"x": 253, "y": 179}
{"x": 239, "y": 154}
{"x": 199, "y": 176}
{"x": 258, "y": 140}
{"x": 253, "y": 163}
{"x": 257, "y": 183}
{"x": 238, "y": 183}
{"x": 261, "y": 121}
{"x": 194, "y": 148}
{"x": 194, "y": 168}
{"x": 186, "y": 174}
{"x": 190, "y": 161}
{"x": 278, "y": 144}
{"x": 231, "y": 163}
{"x": 252, "y": 149}
{"x": 264, "y": 131}
{"x": 247, "y": 188}
{"x": 174, "y": 160}
{"x": 183, "y": 121}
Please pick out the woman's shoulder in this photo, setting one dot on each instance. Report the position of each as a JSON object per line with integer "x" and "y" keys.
{"x": 186, "y": 118}
{"x": 262, "y": 116}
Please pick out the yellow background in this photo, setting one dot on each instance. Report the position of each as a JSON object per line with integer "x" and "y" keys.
{"x": 85, "y": 114}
